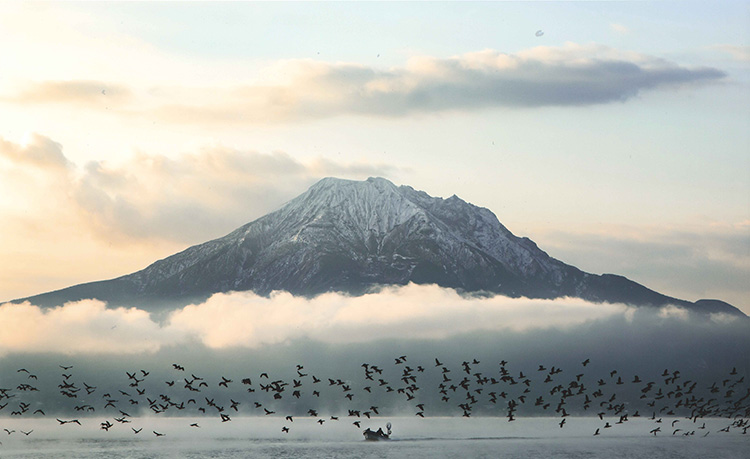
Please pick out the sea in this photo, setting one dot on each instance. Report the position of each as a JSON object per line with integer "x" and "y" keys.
{"x": 439, "y": 437}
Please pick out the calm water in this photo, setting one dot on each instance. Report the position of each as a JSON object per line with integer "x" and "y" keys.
{"x": 423, "y": 438}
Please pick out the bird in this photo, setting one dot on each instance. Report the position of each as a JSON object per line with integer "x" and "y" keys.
{"x": 75, "y": 421}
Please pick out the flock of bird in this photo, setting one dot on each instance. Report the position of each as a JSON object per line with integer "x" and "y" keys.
{"x": 434, "y": 388}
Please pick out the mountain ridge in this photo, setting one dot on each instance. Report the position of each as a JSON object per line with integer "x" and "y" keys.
{"x": 352, "y": 236}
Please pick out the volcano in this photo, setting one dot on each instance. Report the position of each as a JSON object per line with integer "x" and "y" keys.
{"x": 356, "y": 236}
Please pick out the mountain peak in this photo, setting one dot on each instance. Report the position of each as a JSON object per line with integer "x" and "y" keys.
{"x": 335, "y": 182}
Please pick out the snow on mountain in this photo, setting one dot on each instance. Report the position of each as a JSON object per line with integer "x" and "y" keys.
{"x": 351, "y": 236}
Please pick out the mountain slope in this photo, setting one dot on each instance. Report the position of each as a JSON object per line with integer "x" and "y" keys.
{"x": 350, "y": 236}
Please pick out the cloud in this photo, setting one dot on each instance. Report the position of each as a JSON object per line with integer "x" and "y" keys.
{"x": 37, "y": 150}
{"x": 305, "y": 89}
{"x": 199, "y": 196}
{"x": 188, "y": 198}
{"x": 571, "y": 75}
{"x": 84, "y": 92}
{"x": 414, "y": 311}
{"x": 243, "y": 320}
{"x": 738, "y": 52}
{"x": 83, "y": 327}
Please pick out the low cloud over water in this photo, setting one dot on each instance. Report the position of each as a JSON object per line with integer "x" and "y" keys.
{"x": 244, "y": 320}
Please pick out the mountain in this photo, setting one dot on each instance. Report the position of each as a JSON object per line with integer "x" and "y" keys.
{"x": 352, "y": 236}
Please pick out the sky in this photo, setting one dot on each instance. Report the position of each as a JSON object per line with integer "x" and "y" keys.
{"x": 613, "y": 134}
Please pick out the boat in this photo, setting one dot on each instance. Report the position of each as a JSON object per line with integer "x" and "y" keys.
{"x": 377, "y": 435}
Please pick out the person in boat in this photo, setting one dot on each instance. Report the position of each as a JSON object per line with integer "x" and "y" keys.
{"x": 377, "y": 435}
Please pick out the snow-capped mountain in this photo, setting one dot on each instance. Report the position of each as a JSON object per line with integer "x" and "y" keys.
{"x": 352, "y": 236}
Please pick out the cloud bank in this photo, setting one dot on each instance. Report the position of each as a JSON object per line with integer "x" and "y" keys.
{"x": 571, "y": 75}
{"x": 245, "y": 320}
{"x": 305, "y": 89}
{"x": 86, "y": 327}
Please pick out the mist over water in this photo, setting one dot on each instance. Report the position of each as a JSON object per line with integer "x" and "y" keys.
{"x": 423, "y": 438}
{"x": 684, "y": 357}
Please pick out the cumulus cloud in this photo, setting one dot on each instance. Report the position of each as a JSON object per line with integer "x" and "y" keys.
{"x": 188, "y": 198}
{"x": 197, "y": 196}
{"x": 246, "y": 320}
{"x": 413, "y": 311}
{"x": 83, "y": 327}
{"x": 571, "y": 75}
{"x": 37, "y": 150}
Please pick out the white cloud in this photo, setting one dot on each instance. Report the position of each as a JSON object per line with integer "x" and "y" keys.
{"x": 246, "y": 320}
{"x": 83, "y": 327}
{"x": 412, "y": 311}
{"x": 243, "y": 320}
{"x": 723, "y": 318}
{"x": 671, "y": 311}
{"x": 36, "y": 150}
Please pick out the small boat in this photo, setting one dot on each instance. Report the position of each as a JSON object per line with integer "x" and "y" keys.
{"x": 377, "y": 435}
